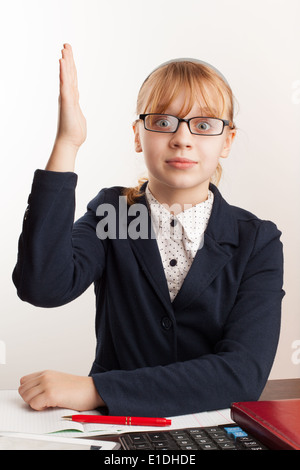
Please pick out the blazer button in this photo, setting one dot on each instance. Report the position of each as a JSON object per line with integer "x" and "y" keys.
{"x": 166, "y": 323}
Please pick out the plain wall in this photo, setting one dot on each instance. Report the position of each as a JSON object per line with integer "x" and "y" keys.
{"x": 116, "y": 44}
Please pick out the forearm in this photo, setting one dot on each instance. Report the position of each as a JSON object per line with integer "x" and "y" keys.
{"x": 62, "y": 158}
{"x": 210, "y": 382}
{"x": 193, "y": 386}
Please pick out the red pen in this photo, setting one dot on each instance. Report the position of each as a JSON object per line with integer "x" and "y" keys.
{"x": 127, "y": 420}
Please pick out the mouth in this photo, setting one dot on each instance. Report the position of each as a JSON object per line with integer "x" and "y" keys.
{"x": 181, "y": 163}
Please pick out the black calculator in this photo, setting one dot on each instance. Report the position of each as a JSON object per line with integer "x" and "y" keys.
{"x": 221, "y": 437}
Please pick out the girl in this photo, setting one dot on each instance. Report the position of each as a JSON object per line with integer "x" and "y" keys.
{"x": 187, "y": 313}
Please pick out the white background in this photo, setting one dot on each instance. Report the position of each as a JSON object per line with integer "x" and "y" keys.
{"x": 116, "y": 43}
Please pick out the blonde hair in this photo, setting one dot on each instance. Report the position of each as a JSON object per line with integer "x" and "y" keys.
{"x": 199, "y": 82}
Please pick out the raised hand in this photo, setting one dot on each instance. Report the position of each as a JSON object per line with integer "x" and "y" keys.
{"x": 72, "y": 123}
{"x": 71, "y": 129}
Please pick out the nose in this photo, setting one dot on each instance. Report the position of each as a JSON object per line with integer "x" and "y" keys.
{"x": 182, "y": 138}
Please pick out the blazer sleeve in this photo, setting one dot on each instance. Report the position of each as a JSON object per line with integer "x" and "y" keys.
{"x": 48, "y": 228}
{"x": 238, "y": 368}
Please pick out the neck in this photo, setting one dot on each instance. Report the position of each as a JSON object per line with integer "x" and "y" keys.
{"x": 179, "y": 199}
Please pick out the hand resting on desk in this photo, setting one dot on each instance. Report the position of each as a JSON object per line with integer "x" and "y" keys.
{"x": 49, "y": 389}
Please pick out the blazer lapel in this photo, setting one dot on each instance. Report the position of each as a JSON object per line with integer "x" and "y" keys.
{"x": 208, "y": 262}
{"x": 148, "y": 256}
{"x": 220, "y": 235}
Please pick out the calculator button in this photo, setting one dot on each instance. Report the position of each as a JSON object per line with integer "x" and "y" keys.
{"x": 251, "y": 443}
{"x": 160, "y": 436}
{"x": 209, "y": 446}
{"x": 203, "y": 440}
{"x": 221, "y": 440}
{"x": 212, "y": 430}
{"x": 160, "y": 445}
{"x": 243, "y": 439}
{"x": 189, "y": 447}
{"x": 184, "y": 442}
{"x": 179, "y": 437}
{"x": 137, "y": 438}
{"x": 227, "y": 445}
{"x": 197, "y": 433}
{"x": 235, "y": 432}
{"x": 217, "y": 435}
{"x": 143, "y": 446}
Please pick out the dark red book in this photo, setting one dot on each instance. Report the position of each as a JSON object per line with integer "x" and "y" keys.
{"x": 276, "y": 424}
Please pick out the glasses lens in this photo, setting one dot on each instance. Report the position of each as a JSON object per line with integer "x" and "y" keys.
{"x": 206, "y": 126}
{"x": 161, "y": 123}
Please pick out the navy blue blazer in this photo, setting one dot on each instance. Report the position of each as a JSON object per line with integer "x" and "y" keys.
{"x": 213, "y": 345}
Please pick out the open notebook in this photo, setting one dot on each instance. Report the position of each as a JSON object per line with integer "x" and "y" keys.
{"x": 17, "y": 416}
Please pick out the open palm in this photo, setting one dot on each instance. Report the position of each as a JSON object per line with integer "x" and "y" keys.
{"x": 72, "y": 127}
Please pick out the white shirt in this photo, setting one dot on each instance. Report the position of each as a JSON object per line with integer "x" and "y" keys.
{"x": 178, "y": 237}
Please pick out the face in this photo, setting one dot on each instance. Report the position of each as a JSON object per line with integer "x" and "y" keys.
{"x": 181, "y": 162}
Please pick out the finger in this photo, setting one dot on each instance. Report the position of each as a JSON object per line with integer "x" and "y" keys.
{"x": 68, "y": 77}
{"x": 29, "y": 387}
{"x": 65, "y": 60}
{"x": 68, "y": 46}
{"x": 40, "y": 402}
{"x": 73, "y": 69}
{"x": 66, "y": 81}
{"x": 37, "y": 399}
{"x": 67, "y": 54}
{"x": 29, "y": 377}
{"x": 28, "y": 394}
{"x": 37, "y": 392}
{"x": 62, "y": 72}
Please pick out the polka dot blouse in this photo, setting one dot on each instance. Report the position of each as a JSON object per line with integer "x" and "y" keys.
{"x": 178, "y": 237}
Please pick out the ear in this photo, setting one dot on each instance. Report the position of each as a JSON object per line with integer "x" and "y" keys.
{"x": 228, "y": 143}
{"x": 137, "y": 139}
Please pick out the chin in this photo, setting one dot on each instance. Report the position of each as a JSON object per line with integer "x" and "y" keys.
{"x": 187, "y": 183}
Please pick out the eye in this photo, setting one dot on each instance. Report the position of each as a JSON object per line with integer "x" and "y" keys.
{"x": 163, "y": 123}
{"x": 203, "y": 126}
{"x": 206, "y": 126}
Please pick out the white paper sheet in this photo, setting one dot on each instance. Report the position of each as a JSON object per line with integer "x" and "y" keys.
{"x": 17, "y": 416}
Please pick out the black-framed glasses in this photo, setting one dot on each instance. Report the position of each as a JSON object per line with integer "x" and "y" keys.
{"x": 168, "y": 124}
